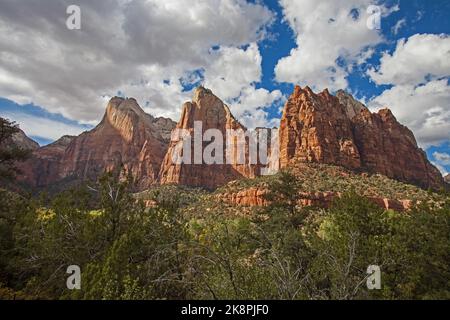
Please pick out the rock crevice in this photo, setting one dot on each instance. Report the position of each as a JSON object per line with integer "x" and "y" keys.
{"x": 341, "y": 131}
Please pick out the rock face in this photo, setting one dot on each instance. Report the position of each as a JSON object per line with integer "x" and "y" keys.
{"x": 43, "y": 168}
{"x": 341, "y": 131}
{"x": 447, "y": 178}
{"x": 256, "y": 197}
{"x": 126, "y": 137}
{"x": 318, "y": 128}
{"x": 211, "y": 113}
{"x": 21, "y": 140}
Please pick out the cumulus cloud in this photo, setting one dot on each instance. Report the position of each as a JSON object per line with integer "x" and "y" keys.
{"x": 251, "y": 107}
{"x": 331, "y": 36}
{"x": 45, "y": 128}
{"x": 232, "y": 70}
{"x": 418, "y": 69}
{"x": 442, "y": 157}
{"x": 415, "y": 60}
{"x": 140, "y": 48}
{"x": 424, "y": 109}
{"x": 232, "y": 77}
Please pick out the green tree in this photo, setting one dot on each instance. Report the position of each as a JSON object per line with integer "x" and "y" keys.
{"x": 10, "y": 153}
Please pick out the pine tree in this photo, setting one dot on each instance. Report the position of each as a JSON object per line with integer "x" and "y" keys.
{"x": 10, "y": 153}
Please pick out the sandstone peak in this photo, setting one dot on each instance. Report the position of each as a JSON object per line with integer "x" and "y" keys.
{"x": 21, "y": 140}
{"x": 342, "y": 131}
{"x": 319, "y": 128}
{"x": 126, "y": 138}
{"x": 62, "y": 142}
{"x": 326, "y": 92}
{"x": 387, "y": 114}
{"x": 201, "y": 92}
{"x": 212, "y": 113}
{"x": 43, "y": 168}
{"x": 352, "y": 106}
{"x": 120, "y": 107}
{"x": 306, "y": 90}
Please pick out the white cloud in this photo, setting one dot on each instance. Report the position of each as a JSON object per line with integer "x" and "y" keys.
{"x": 419, "y": 69}
{"x": 425, "y": 109}
{"x": 42, "y": 127}
{"x": 400, "y": 24}
{"x": 442, "y": 157}
{"x": 441, "y": 168}
{"x": 251, "y": 107}
{"x": 232, "y": 77}
{"x": 326, "y": 32}
{"x": 131, "y": 46}
{"x": 232, "y": 70}
{"x": 420, "y": 57}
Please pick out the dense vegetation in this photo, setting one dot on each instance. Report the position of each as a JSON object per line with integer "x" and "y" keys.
{"x": 170, "y": 251}
{"x": 9, "y": 152}
{"x": 188, "y": 245}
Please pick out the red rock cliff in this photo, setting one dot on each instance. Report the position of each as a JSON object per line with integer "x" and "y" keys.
{"x": 43, "y": 168}
{"x": 340, "y": 130}
{"x": 212, "y": 113}
{"x": 126, "y": 137}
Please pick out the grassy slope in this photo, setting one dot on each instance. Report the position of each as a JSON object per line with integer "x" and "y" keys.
{"x": 315, "y": 177}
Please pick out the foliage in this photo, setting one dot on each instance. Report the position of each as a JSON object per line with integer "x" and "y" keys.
{"x": 9, "y": 152}
{"x": 187, "y": 246}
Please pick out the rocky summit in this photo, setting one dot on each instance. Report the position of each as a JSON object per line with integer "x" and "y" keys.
{"x": 338, "y": 130}
{"x": 211, "y": 113}
{"x": 315, "y": 128}
{"x": 21, "y": 140}
{"x": 126, "y": 138}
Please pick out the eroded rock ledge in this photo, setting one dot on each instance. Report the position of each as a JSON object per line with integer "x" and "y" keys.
{"x": 255, "y": 196}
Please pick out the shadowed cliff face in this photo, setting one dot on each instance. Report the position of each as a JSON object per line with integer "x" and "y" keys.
{"x": 340, "y": 130}
{"x": 126, "y": 137}
{"x": 315, "y": 128}
{"x": 43, "y": 168}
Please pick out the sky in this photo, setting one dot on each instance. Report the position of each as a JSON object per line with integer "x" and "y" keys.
{"x": 56, "y": 81}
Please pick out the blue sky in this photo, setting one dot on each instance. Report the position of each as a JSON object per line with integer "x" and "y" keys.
{"x": 253, "y": 63}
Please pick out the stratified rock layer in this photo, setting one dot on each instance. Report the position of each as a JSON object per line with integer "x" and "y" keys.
{"x": 315, "y": 128}
{"x": 340, "y": 130}
{"x": 257, "y": 197}
{"x": 126, "y": 138}
{"x": 21, "y": 140}
{"x": 211, "y": 113}
{"x": 43, "y": 168}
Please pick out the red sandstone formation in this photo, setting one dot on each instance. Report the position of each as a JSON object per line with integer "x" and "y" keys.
{"x": 256, "y": 197}
{"x": 339, "y": 130}
{"x": 126, "y": 138}
{"x": 212, "y": 113}
{"x": 319, "y": 128}
{"x": 43, "y": 168}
